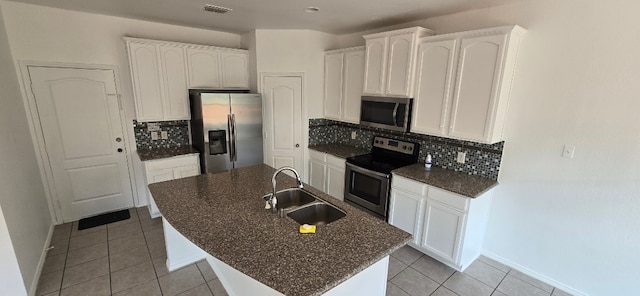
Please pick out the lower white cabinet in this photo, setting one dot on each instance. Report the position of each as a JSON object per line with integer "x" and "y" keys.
{"x": 167, "y": 169}
{"x": 446, "y": 226}
{"x": 326, "y": 172}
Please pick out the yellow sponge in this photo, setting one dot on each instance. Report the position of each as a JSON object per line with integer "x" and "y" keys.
{"x": 306, "y": 228}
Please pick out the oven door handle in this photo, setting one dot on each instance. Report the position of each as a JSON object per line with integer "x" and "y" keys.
{"x": 366, "y": 171}
{"x": 395, "y": 114}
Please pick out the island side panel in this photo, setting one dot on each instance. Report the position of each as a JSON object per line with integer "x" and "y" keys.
{"x": 180, "y": 251}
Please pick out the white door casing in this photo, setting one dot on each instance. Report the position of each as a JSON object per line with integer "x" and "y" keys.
{"x": 282, "y": 113}
{"x": 79, "y": 114}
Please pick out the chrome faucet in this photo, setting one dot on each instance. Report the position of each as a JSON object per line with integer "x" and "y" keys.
{"x": 271, "y": 199}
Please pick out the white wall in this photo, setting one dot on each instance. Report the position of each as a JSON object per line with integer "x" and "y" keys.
{"x": 40, "y": 33}
{"x": 576, "y": 221}
{"x": 24, "y": 213}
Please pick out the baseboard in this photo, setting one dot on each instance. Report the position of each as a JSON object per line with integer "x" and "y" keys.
{"x": 43, "y": 257}
{"x": 534, "y": 274}
{"x": 172, "y": 265}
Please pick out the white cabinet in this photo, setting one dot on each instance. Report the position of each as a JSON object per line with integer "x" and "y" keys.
{"x": 145, "y": 75}
{"x": 162, "y": 73}
{"x": 389, "y": 62}
{"x": 213, "y": 67}
{"x": 234, "y": 68}
{"x": 167, "y": 169}
{"x": 174, "y": 82}
{"x": 158, "y": 73}
{"x": 326, "y": 172}
{"x": 444, "y": 225}
{"x": 463, "y": 82}
{"x": 204, "y": 67}
{"x": 343, "y": 79}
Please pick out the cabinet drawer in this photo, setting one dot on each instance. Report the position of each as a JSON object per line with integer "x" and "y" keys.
{"x": 336, "y": 161}
{"x": 449, "y": 198}
{"x": 315, "y": 155}
{"x": 173, "y": 162}
{"x": 405, "y": 184}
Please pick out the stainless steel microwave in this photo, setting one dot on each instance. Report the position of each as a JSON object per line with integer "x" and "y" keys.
{"x": 386, "y": 112}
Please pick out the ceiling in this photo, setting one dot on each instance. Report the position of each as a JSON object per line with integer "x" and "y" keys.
{"x": 335, "y": 16}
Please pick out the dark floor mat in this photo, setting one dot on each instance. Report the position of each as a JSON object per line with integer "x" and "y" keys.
{"x": 103, "y": 219}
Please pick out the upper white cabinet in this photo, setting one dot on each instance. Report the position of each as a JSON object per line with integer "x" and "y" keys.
{"x": 145, "y": 75}
{"x": 162, "y": 73}
{"x": 444, "y": 225}
{"x": 234, "y": 68}
{"x": 204, "y": 67}
{"x": 213, "y": 67}
{"x": 174, "y": 82}
{"x": 463, "y": 82}
{"x": 343, "y": 78}
{"x": 389, "y": 62}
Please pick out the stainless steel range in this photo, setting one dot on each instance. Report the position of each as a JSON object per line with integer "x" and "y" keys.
{"x": 368, "y": 177}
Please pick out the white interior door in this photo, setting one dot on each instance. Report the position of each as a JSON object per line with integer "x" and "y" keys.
{"x": 283, "y": 121}
{"x": 80, "y": 118}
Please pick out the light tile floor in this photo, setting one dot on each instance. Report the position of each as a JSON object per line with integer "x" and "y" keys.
{"x": 121, "y": 258}
{"x": 413, "y": 273}
{"x": 128, "y": 258}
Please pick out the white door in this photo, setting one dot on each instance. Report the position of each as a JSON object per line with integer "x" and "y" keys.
{"x": 145, "y": 72}
{"x": 335, "y": 182}
{"x": 283, "y": 121}
{"x": 80, "y": 118}
{"x": 316, "y": 174}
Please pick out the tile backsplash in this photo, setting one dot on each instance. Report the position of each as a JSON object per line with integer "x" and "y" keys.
{"x": 481, "y": 159}
{"x": 178, "y": 134}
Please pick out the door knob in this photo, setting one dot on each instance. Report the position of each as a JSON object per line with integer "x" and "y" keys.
{"x": 119, "y": 150}
{"x": 118, "y": 139}
{"x": 297, "y": 145}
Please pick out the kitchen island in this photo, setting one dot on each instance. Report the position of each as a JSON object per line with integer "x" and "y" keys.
{"x": 223, "y": 216}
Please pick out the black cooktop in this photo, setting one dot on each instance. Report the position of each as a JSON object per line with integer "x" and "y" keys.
{"x": 385, "y": 166}
{"x": 387, "y": 155}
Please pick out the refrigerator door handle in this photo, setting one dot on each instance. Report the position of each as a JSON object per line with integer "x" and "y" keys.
{"x": 231, "y": 139}
{"x": 233, "y": 128}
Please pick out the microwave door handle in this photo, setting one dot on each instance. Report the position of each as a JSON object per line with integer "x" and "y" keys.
{"x": 395, "y": 113}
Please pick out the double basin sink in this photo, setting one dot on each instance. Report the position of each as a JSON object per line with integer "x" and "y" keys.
{"x": 305, "y": 208}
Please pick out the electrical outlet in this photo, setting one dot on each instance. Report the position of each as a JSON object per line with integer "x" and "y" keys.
{"x": 353, "y": 135}
{"x": 568, "y": 151}
{"x": 164, "y": 135}
{"x": 154, "y": 136}
{"x": 462, "y": 157}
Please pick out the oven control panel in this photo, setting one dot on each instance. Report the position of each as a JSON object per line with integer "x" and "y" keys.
{"x": 394, "y": 145}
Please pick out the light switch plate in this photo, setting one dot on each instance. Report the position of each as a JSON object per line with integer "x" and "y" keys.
{"x": 462, "y": 157}
{"x": 154, "y": 136}
{"x": 164, "y": 135}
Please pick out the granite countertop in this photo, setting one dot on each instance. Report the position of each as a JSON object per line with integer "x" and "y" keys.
{"x": 339, "y": 150}
{"x": 224, "y": 215}
{"x": 457, "y": 182}
{"x": 159, "y": 153}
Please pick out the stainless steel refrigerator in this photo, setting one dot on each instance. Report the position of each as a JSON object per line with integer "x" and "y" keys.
{"x": 226, "y": 128}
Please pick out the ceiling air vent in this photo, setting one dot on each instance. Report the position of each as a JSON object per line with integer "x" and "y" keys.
{"x": 216, "y": 9}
